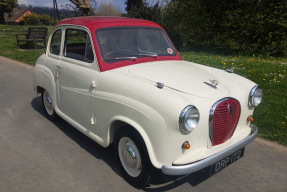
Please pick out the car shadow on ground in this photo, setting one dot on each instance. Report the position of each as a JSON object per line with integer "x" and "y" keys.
{"x": 167, "y": 182}
{"x": 99, "y": 152}
{"x": 161, "y": 183}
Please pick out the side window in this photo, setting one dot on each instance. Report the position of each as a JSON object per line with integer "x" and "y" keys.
{"x": 78, "y": 45}
{"x": 55, "y": 44}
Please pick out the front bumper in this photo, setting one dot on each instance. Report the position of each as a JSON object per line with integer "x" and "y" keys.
{"x": 193, "y": 167}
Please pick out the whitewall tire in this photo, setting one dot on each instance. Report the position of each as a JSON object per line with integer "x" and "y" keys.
{"x": 48, "y": 106}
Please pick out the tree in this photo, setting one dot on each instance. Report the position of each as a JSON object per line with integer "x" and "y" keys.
{"x": 141, "y": 9}
{"x": 108, "y": 9}
{"x": 133, "y": 3}
{"x": 6, "y": 6}
{"x": 229, "y": 27}
{"x": 84, "y": 7}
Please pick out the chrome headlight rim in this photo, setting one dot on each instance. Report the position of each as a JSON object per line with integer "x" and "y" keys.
{"x": 252, "y": 95}
{"x": 184, "y": 115}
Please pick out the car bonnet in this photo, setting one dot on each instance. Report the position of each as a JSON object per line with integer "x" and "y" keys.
{"x": 182, "y": 76}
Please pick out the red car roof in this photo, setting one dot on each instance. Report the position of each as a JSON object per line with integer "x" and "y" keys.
{"x": 93, "y": 23}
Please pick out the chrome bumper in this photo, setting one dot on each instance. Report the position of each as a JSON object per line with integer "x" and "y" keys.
{"x": 193, "y": 167}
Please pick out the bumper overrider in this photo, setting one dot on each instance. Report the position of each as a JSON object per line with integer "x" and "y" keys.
{"x": 193, "y": 167}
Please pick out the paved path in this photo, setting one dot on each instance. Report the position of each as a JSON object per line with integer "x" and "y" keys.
{"x": 37, "y": 155}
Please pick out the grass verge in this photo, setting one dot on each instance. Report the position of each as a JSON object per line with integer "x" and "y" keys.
{"x": 9, "y": 49}
{"x": 269, "y": 73}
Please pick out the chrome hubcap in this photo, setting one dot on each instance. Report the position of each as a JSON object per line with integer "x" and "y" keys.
{"x": 129, "y": 156}
{"x": 48, "y": 103}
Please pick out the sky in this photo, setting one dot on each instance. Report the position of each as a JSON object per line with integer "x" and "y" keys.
{"x": 61, "y": 3}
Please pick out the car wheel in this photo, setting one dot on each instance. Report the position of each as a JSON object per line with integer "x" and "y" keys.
{"x": 48, "y": 105}
{"x": 133, "y": 158}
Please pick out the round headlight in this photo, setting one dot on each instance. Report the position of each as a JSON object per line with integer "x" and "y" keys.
{"x": 255, "y": 96}
{"x": 188, "y": 119}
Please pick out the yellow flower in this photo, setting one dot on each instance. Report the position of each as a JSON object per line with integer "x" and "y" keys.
{"x": 283, "y": 123}
{"x": 263, "y": 79}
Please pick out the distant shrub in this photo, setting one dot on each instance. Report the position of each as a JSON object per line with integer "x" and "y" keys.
{"x": 21, "y": 22}
{"x": 36, "y": 19}
{"x": 45, "y": 19}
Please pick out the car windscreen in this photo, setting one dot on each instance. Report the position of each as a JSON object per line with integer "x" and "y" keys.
{"x": 131, "y": 43}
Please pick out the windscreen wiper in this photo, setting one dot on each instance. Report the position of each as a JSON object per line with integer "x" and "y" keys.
{"x": 122, "y": 58}
{"x": 147, "y": 55}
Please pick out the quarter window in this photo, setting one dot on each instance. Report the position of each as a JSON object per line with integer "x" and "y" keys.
{"x": 78, "y": 45}
{"x": 56, "y": 42}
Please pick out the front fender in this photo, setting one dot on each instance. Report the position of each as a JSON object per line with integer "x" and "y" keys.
{"x": 141, "y": 131}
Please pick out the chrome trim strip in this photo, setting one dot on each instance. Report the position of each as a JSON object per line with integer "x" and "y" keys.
{"x": 193, "y": 167}
{"x": 230, "y": 109}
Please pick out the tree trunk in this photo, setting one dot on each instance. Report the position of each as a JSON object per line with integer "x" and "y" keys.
{"x": 84, "y": 6}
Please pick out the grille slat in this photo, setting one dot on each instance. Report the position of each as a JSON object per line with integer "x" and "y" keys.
{"x": 224, "y": 120}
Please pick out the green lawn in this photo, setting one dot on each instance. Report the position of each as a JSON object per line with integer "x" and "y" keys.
{"x": 268, "y": 72}
{"x": 8, "y": 46}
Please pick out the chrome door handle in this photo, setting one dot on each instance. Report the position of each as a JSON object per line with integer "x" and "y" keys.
{"x": 94, "y": 85}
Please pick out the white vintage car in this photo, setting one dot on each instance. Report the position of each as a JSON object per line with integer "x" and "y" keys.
{"x": 121, "y": 81}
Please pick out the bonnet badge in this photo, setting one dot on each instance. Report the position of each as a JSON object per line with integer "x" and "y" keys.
{"x": 213, "y": 83}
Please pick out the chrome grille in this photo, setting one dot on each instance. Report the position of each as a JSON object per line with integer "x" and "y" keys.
{"x": 223, "y": 119}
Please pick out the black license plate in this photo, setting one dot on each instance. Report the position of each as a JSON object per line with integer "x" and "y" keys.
{"x": 226, "y": 161}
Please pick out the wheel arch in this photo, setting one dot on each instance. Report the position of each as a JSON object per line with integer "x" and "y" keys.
{"x": 48, "y": 84}
{"x": 120, "y": 122}
{"x": 39, "y": 89}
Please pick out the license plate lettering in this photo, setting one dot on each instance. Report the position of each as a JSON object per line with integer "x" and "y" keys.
{"x": 226, "y": 161}
{"x": 235, "y": 156}
{"x": 222, "y": 164}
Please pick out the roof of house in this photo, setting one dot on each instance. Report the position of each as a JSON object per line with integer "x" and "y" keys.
{"x": 14, "y": 15}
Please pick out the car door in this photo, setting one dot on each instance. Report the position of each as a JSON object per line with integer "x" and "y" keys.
{"x": 54, "y": 53}
{"x": 77, "y": 74}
